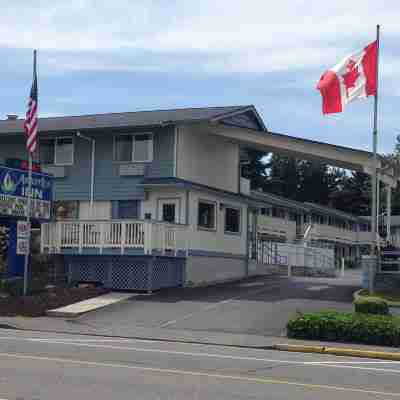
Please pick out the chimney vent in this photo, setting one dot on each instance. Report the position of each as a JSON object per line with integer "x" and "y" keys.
{"x": 12, "y": 117}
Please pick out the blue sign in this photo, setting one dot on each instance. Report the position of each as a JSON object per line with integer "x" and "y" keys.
{"x": 14, "y": 182}
{"x": 14, "y": 192}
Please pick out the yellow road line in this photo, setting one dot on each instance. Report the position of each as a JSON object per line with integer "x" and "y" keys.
{"x": 201, "y": 374}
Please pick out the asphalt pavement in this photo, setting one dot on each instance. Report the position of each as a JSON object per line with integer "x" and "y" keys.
{"x": 257, "y": 306}
{"x": 60, "y": 366}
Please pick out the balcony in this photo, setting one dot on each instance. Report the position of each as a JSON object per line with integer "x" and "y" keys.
{"x": 276, "y": 227}
{"x": 114, "y": 237}
{"x": 333, "y": 233}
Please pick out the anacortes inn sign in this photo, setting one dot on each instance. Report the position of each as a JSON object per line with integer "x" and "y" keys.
{"x": 14, "y": 193}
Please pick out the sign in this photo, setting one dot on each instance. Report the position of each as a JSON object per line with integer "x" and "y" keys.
{"x": 14, "y": 191}
{"x": 22, "y": 229}
{"x": 22, "y": 246}
{"x": 22, "y": 237}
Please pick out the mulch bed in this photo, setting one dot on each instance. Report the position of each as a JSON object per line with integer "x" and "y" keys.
{"x": 37, "y": 305}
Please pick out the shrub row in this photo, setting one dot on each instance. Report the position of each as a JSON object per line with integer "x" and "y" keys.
{"x": 346, "y": 327}
{"x": 371, "y": 306}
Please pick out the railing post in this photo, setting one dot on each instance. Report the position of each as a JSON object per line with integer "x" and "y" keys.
{"x": 80, "y": 234}
{"x": 102, "y": 224}
{"x": 42, "y": 236}
{"x": 164, "y": 242}
{"x": 123, "y": 236}
{"x": 58, "y": 232}
{"x": 147, "y": 240}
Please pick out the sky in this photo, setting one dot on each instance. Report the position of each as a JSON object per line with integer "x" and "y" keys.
{"x": 100, "y": 56}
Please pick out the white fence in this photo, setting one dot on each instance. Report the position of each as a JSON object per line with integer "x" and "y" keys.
{"x": 295, "y": 255}
{"x": 125, "y": 234}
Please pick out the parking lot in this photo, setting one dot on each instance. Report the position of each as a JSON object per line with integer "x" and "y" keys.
{"x": 260, "y": 305}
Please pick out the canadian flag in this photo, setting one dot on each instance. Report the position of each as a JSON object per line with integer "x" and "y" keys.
{"x": 354, "y": 77}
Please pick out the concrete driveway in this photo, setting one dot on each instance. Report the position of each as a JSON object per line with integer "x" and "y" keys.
{"x": 260, "y": 306}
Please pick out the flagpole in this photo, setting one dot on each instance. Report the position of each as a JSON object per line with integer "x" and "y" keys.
{"x": 28, "y": 205}
{"x": 374, "y": 227}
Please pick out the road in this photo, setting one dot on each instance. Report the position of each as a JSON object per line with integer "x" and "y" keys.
{"x": 47, "y": 366}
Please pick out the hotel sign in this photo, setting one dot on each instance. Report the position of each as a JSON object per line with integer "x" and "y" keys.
{"x": 14, "y": 192}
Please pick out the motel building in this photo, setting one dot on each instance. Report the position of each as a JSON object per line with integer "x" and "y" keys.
{"x": 153, "y": 199}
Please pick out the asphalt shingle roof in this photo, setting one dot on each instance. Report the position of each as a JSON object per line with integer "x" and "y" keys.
{"x": 125, "y": 119}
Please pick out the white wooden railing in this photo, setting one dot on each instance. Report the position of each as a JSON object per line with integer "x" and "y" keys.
{"x": 150, "y": 236}
{"x": 276, "y": 227}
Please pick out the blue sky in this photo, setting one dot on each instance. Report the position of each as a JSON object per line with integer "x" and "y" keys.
{"x": 98, "y": 56}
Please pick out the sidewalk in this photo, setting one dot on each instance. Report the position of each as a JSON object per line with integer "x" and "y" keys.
{"x": 59, "y": 325}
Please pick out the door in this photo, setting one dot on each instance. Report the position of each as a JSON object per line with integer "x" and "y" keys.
{"x": 169, "y": 210}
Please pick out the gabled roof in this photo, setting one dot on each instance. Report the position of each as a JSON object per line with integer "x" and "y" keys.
{"x": 132, "y": 119}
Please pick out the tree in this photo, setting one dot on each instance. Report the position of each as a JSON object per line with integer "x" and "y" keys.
{"x": 354, "y": 194}
{"x": 283, "y": 176}
{"x": 255, "y": 169}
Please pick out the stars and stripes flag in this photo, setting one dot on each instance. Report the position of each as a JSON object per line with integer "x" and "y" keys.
{"x": 30, "y": 125}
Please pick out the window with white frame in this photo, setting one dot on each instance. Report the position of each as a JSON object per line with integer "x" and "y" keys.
{"x": 134, "y": 148}
{"x": 232, "y": 220}
{"x": 207, "y": 215}
{"x": 57, "y": 151}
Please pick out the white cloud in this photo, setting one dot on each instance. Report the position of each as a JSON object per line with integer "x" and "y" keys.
{"x": 209, "y": 36}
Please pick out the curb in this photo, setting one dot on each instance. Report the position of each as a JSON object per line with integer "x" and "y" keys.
{"x": 338, "y": 351}
{"x": 356, "y": 296}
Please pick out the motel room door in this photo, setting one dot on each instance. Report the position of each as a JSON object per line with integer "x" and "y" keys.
{"x": 169, "y": 210}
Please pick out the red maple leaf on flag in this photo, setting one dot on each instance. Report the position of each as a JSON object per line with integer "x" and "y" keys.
{"x": 351, "y": 76}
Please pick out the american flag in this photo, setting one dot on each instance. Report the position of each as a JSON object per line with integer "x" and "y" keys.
{"x": 30, "y": 124}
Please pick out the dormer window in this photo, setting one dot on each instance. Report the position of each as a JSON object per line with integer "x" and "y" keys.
{"x": 134, "y": 148}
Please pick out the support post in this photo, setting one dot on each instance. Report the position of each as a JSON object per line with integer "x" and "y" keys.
{"x": 388, "y": 212}
{"x": 342, "y": 267}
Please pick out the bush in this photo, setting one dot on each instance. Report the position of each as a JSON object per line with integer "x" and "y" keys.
{"x": 346, "y": 327}
{"x": 13, "y": 286}
{"x": 371, "y": 306}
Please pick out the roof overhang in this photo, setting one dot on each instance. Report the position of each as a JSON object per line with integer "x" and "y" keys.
{"x": 339, "y": 156}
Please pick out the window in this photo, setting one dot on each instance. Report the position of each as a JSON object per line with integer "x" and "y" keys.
{"x": 232, "y": 220}
{"x": 168, "y": 212}
{"x": 128, "y": 209}
{"x": 47, "y": 151}
{"x": 64, "y": 151}
{"x": 123, "y": 148}
{"x": 134, "y": 148}
{"x": 206, "y": 216}
{"x": 58, "y": 151}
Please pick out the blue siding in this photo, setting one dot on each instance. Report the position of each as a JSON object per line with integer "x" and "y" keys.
{"x": 108, "y": 184}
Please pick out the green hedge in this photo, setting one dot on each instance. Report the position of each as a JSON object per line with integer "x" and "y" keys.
{"x": 346, "y": 327}
{"x": 371, "y": 306}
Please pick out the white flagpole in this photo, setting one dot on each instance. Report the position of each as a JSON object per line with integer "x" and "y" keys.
{"x": 28, "y": 205}
{"x": 374, "y": 222}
